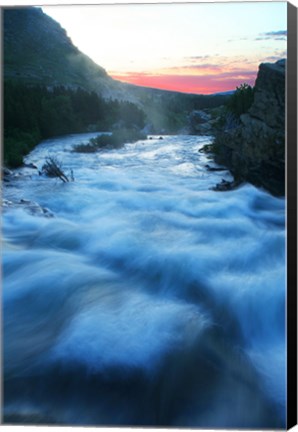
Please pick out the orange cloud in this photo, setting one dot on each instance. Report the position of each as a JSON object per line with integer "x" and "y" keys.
{"x": 189, "y": 83}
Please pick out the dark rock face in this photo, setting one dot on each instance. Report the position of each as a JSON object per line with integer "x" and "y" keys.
{"x": 203, "y": 122}
{"x": 255, "y": 150}
{"x": 269, "y": 99}
{"x": 200, "y": 122}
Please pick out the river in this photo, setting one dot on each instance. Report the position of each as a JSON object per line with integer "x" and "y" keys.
{"x": 148, "y": 299}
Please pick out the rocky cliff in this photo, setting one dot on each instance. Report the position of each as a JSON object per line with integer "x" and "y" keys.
{"x": 254, "y": 151}
{"x": 206, "y": 121}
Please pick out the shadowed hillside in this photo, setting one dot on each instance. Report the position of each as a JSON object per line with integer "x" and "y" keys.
{"x": 37, "y": 50}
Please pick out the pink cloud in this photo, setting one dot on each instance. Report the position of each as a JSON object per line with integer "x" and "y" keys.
{"x": 199, "y": 84}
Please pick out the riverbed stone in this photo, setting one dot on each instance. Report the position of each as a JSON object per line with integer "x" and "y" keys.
{"x": 30, "y": 207}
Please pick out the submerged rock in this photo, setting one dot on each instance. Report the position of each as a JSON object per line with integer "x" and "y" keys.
{"x": 225, "y": 185}
{"x": 214, "y": 168}
{"x": 30, "y": 206}
{"x": 30, "y": 165}
{"x": 6, "y": 172}
{"x": 9, "y": 175}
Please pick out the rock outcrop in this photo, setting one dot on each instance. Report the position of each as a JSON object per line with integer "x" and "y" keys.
{"x": 204, "y": 122}
{"x": 254, "y": 151}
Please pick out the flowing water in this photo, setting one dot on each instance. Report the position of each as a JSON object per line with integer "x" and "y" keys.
{"x": 148, "y": 299}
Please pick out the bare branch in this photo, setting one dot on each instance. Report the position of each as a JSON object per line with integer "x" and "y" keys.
{"x": 53, "y": 168}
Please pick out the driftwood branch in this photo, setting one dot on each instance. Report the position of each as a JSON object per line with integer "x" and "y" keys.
{"x": 53, "y": 168}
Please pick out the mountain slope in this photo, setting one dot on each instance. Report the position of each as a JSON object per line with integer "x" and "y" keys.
{"x": 37, "y": 50}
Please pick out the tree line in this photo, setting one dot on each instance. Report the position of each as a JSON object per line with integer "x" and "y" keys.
{"x": 34, "y": 113}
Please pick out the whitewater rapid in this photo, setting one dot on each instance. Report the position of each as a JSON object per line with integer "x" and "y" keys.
{"x": 148, "y": 299}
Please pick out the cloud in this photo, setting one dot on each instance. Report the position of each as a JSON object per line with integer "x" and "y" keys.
{"x": 274, "y": 58}
{"x": 238, "y": 39}
{"x": 241, "y": 75}
{"x": 240, "y": 65}
{"x": 202, "y": 74}
{"x": 274, "y": 35}
{"x": 197, "y": 68}
{"x": 282, "y": 53}
{"x": 199, "y": 57}
{"x": 200, "y": 84}
{"x": 277, "y": 33}
{"x": 214, "y": 62}
{"x": 203, "y": 66}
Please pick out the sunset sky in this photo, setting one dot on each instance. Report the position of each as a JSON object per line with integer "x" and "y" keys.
{"x": 194, "y": 48}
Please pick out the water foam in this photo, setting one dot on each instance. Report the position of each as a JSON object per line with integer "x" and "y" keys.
{"x": 145, "y": 268}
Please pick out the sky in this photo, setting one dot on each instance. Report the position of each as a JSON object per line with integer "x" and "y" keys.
{"x": 195, "y": 48}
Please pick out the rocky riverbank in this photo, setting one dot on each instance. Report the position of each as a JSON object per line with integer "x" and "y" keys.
{"x": 205, "y": 121}
{"x": 254, "y": 150}
{"x": 9, "y": 178}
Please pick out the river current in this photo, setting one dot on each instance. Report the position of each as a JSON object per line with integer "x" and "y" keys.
{"x": 148, "y": 299}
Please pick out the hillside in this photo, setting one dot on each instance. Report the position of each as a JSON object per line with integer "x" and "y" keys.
{"x": 37, "y": 50}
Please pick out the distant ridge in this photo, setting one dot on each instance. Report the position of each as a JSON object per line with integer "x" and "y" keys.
{"x": 226, "y": 93}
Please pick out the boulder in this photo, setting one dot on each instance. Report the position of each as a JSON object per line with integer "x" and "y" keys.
{"x": 30, "y": 165}
{"x": 200, "y": 116}
{"x": 6, "y": 172}
{"x": 199, "y": 122}
{"x": 203, "y": 122}
{"x": 30, "y": 207}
